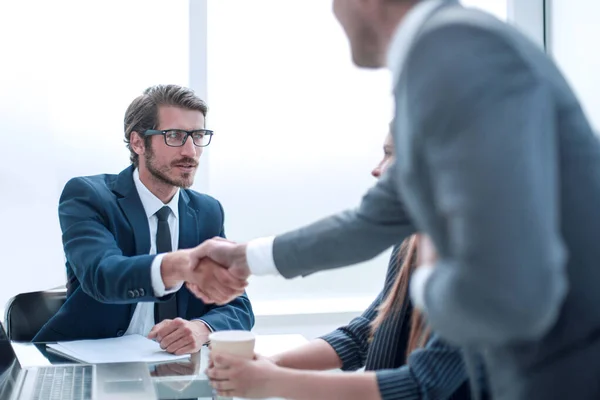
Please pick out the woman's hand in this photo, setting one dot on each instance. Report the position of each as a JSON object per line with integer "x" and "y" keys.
{"x": 234, "y": 376}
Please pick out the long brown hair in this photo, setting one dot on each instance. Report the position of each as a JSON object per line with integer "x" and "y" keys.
{"x": 398, "y": 295}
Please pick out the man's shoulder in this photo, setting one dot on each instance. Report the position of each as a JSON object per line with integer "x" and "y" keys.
{"x": 100, "y": 185}
{"x": 458, "y": 16}
{"x": 458, "y": 24}
{"x": 201, "y": 199}
{"x": 100, "y": 180}
{"x": 474, "y": 47}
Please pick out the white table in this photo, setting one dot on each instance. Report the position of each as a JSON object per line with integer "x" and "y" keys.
{"x": 177, "y": 387}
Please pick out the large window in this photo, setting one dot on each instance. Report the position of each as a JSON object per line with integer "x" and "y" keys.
{"x": 69, "y": 70}
{"x": 573, "y": 32}
{"x": 298, "y": 130}
{"x": 499, "y": 8}
{"x": 298, "y": 127}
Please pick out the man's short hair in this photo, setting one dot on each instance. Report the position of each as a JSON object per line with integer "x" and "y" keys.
{"x": 142, "y": 113}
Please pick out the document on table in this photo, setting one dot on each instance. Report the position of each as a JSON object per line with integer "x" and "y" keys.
{"x": 129, "y": 348}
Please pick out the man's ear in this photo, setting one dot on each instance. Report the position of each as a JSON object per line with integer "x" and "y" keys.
{"x": 136, "y": 142}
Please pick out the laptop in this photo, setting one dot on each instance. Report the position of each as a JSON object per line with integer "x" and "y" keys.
{"x": 71, "y": 381}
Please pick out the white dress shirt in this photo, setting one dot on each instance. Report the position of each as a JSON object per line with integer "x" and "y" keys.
{"x": 259, "y": 252}
{"x": 142, "y": 320}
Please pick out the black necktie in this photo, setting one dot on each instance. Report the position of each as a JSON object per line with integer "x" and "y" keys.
{"x": 166, "y": 309}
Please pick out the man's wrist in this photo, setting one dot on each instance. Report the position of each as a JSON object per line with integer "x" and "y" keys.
{"x": 240, "y": 258}
{"x": 172, "y": 268}
{"x": 202, "y": 331}
{"x": 202, "y": 325}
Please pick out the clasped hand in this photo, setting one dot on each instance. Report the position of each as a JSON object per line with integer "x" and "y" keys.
{"x": 216, "y": 271}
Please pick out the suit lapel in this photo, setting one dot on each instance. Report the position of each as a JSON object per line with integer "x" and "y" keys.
{"x": 133, "y": 209}
{"x": 188, "y": 223}
{"x": 131, "y": 205}
{"x": 188, "y": 238}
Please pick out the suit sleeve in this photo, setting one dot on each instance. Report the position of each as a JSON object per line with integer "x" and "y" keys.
{"x": 347, "y": 238}
{"x": 237, "y": 314}
{"x": 101, "y": 268}
{"x": 491, "y": 157}
{"x": 351, "y": 342}
{"x": 433, "y": 372}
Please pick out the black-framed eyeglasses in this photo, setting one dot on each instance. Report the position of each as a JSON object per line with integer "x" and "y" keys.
{"x": 178, "y": 137}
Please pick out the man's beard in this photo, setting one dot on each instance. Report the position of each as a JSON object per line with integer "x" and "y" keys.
{"x": 160, "y": 173}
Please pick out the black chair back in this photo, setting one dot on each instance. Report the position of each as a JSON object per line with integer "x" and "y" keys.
{"x": 26, "y": 313}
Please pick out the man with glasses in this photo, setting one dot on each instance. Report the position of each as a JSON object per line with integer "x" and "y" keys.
{"x": 121, "y": 235}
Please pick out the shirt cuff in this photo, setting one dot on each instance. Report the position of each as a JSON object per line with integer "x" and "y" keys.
{"x": 418, "y": 283}
{"x": 397, "y": 383}
{"x": 206, "y": 323}
{"x": 157, "y": 283}
{"x": 259, "y": 255}
{"x": 346, "y": 349}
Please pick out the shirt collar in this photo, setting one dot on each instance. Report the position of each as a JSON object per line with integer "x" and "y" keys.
{"x": 150, "y": 202}
{"x": 406, "y": 33}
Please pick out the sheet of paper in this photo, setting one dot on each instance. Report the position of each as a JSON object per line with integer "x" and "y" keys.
{"x": 129, "y": 348}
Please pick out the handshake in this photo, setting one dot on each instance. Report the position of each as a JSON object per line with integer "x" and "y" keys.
{"x": 216, "y": 271}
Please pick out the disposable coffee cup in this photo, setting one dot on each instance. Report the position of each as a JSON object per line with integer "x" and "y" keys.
{"x": 236, "y": 343}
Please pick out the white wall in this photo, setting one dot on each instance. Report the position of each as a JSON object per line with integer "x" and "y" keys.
{"x": 29, "y": 234}
{"x": 310, "y": 326}
{"x": 573, "y": 32}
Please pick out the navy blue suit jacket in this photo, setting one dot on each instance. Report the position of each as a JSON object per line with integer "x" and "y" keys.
{"x": 106, "y": 239}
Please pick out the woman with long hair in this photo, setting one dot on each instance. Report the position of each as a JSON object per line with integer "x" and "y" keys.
{"x": 403, "y": 359}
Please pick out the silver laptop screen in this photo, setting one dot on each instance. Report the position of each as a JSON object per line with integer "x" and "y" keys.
{"x": 9, "y": 366}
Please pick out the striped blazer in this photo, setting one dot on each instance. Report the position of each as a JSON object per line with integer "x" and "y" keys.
{"x": 433, "y": 372}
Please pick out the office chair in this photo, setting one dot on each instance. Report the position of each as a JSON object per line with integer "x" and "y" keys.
{"x": 26, "y": 313}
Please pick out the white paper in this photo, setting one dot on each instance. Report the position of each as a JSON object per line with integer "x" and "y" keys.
{"x": 129, "y": 348}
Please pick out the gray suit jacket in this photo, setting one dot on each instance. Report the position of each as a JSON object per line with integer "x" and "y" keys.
{"x": 498, "y": 164}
